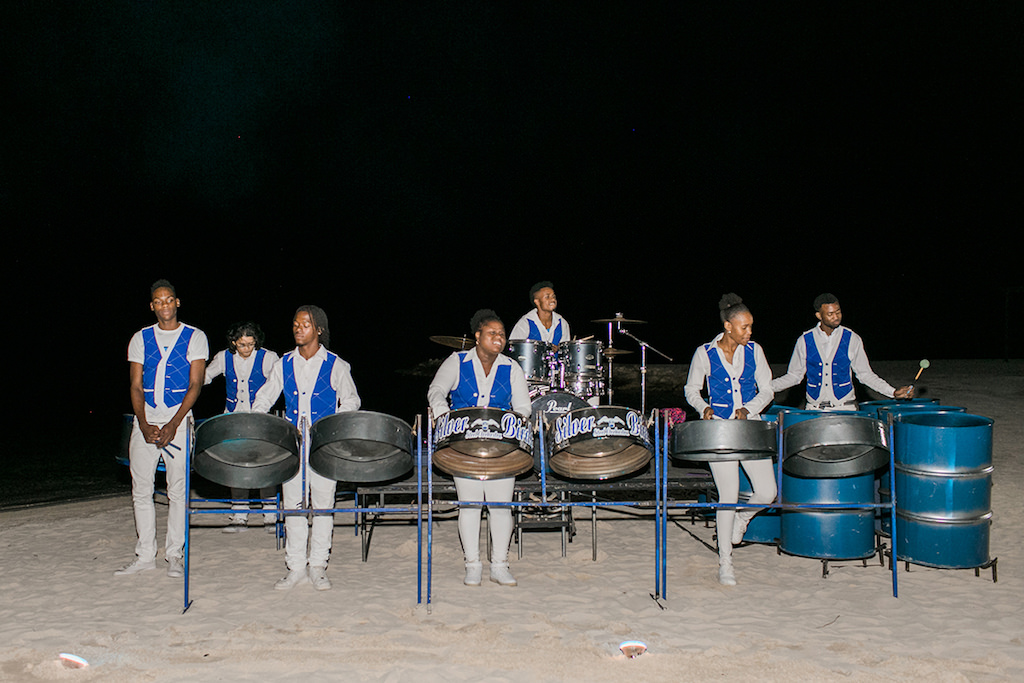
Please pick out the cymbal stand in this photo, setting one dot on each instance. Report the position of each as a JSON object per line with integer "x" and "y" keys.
{"x": 643, "y": 365}
{"x": 610, "y": 359}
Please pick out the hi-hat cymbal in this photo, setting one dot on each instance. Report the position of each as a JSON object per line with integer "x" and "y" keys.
{"x": 460, "y": 343}
{"x": 618, "y": 319}
{"x": 616, "y": 352}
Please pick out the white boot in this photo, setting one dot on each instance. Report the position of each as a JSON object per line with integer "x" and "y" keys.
{"x": 501, "y": 575}
{"x": 474, "y": 573}
{"x": 739, "y": 527}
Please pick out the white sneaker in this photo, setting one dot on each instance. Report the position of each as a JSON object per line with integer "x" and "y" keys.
{"x": 175, "y": 567}
{"x": 501, "y": 575}
{"x": 134, "y": 567}
{"x": 318, "y": 577}
{"x": 739, "y": 527}
{"x": 474, "y": 573}
{"x": 294, "y": 578}
{"x": 726, "y": 576}
{"x": 236, "y": 524}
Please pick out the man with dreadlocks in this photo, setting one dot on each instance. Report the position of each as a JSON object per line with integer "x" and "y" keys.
{"x": 166, "y": 363}
{"x": 483, "y": 377}
{"x": 316, "y": 383}
{"x": 245, "y": 365}
{"x": 829, "y": 355}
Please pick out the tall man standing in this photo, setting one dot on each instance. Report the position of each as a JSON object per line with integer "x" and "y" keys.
{"x": 167, "y": 362}
{"x": 316, "y": 383}
{"x": 830, "y": 354}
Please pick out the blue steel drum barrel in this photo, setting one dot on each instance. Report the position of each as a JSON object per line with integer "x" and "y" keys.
{"x": 828, "y": 534}
{"x": 943, "y": 489}
{"x": 872, "y": 407}
{"x": 765, "y": 526}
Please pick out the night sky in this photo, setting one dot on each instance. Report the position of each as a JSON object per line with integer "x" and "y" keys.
{"x": 403, "y": 164}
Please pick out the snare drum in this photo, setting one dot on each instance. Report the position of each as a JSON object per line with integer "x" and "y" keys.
{"x": 581, "y": 359}
{"x": 534, "y": 356}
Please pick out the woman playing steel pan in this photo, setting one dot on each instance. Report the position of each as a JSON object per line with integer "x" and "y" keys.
{"x": 739, "y": 388}
{"x": 483, "y": 377}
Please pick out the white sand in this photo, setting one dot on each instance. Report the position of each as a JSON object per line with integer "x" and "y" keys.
{"x": 564, "y": 621}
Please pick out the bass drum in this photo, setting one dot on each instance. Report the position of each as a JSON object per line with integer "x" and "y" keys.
{"x": 547, "y": 408}
{"x": 600, "y": 443}
{"x": 483, "y": 443}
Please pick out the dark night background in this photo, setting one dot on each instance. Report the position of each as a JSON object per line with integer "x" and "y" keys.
{"x": 403, "y": 164}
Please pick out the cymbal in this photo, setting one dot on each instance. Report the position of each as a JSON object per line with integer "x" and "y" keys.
{"x": 460, "y": 343}
{"x": 616, "y": 352}
{"x": 618, "y": 319}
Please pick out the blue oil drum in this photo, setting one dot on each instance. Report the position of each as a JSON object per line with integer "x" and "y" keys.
{"x": 872, "y": 407}
{"x": 766, "y": 525}
{"x": 828, "y": 533}
{"x": 943, "y": 488}
{"x": 896, "y": 410}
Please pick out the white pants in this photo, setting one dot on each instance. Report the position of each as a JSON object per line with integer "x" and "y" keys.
{"x": 499, "y": 519}
{"x": 241, "y": 513}
{"x": 761, "y": 474}
{"x": 143, "y": 458}
{"x": 321, "y": 491}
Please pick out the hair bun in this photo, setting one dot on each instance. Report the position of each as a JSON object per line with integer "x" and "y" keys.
{"x": 728, "y": 301}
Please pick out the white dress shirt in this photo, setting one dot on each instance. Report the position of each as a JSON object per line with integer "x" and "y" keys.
{"x": 447, "y": 379}
{"x": 700, "y": 368}
{"x": 198, "y": 349}
{"x": 306, "y": 372}
{"x": 522, "y": 328}
{"x": 827, "y": 345}
{"x": 243, "y": 370}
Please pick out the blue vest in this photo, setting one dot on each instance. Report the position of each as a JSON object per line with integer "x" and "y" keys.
{"x": 256, "y": 379}
{"x": 720, "y": 381}
{"x": 842, "y": 378}
{"x": 324, "y": 400}
{"x": 465, "y": 394}
{"x": 535, "y": 332}
{"x": 176, "y": 372}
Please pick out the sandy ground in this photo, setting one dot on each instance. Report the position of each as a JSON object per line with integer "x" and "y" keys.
{"x": 564, "y": 621}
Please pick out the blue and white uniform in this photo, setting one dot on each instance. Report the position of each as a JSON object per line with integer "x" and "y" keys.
{"x": 530, "y": 327}
{"x": 243, "y": 377}
{"x": 745, "y": 382}
{"x": 829, "y": 361}
{"x": 461, "y": 379}
{"x": 166, "y": 358}
{"x": 313, "y": 388}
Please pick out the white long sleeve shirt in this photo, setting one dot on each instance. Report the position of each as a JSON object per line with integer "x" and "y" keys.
{"x": 447, "y": 379}
{"x": 700, "y": 368}
{"x": 522, "y": 328}
{"x": 243, "y": 370}
{"x": 827, "y": 345}
{"x": 306, "y": 372}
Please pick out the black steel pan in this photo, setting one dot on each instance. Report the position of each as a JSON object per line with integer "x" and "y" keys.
{"x": 724, "y": 440}
{"x": 835, "y": 445}
{"x": 361, "y": 446}
{"x": 247, "y": 450}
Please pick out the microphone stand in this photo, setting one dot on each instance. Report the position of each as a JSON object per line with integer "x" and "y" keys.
{"x": 643, "y": 365}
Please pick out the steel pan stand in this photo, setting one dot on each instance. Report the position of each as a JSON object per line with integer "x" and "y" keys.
{"x": 643, "y": 366}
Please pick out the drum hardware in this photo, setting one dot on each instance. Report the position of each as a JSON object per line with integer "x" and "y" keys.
{"x": 618, "y": 321}
{"x": 643, "y": 365}
{"x": 460, "y": 343}
{"x": 616, "y": 352}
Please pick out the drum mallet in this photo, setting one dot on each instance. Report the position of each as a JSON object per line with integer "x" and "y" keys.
{"x": 924, "y": 363}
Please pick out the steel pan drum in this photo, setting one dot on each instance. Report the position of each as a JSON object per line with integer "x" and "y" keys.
{"x": 835, "y": 445}
{"x": 247, "y": 450}
{"x": 872, "y": 407}
{"x": 360, "y": 446}
{"x": 724, "y": 440}
{"x": 547, "y": 408}
{"x": 600, "y": 443}
{"x": 483, "y": 443}
{"x": 828, "y": 533}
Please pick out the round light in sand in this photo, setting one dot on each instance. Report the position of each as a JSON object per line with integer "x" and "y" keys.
{"x": 633, "y": 648}
{"x": 72, "y": 661}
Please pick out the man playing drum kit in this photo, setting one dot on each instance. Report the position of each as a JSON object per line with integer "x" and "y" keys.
{"x": 166, "y": 362}
{"x": 483, "y": 377}
{"x": 829, "y": 355}
{"x": 316, "y": 383}
{"x": 739, "y": 388}
{"x": 245, "y": 365}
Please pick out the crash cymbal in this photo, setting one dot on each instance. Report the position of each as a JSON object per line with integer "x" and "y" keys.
{"x": 460, "y": 343}
{"x": 618, "y": 319}
{"x": 616, "y": 352}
